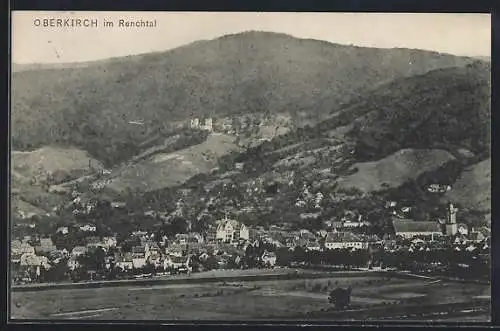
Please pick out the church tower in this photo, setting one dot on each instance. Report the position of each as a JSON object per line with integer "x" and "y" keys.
{"x": 451, "y": 220}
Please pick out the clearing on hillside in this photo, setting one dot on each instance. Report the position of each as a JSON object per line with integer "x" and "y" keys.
{"x": 394, "y": 170}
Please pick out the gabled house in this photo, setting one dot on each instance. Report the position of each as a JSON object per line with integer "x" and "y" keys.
{"x": 269, "y": 258}
{"x": 231, "y": 231}
{"x": 124, "y": 262}
{"x": 73, "y": 263}
{"x": 140, "y": 255}
{"x": 176, "y": 263}
{"x": 30, "y": 260}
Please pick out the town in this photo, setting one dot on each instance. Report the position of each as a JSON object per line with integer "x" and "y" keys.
{"x": 87, "y": 253}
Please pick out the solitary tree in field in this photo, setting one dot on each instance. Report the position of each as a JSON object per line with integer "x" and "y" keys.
{"x": 340, "y": 297}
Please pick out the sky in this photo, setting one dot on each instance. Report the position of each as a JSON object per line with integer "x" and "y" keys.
{"x": 459, "y": 34}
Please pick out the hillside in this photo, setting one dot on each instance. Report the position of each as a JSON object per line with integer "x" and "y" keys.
{"x": 170, "y": 169}
{"x": 394, "y": 170}
{"x": 52, "y": 165}
{"x": 254, "y": 72}
{"x": 447, "y": 106}
{"x": 473, "y": 188}
{"x": 436, "y": 120}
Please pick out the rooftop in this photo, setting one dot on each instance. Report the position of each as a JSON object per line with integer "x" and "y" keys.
{"x": 343, "y": 237}
{"x": 405, "y": 225}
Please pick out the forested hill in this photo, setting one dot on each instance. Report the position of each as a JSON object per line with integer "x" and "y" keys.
{"x": 253, "y": 72}
{"x": 444, "y": 107}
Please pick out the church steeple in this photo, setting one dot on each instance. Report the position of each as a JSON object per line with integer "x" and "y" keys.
{"x": 451, "y": 214}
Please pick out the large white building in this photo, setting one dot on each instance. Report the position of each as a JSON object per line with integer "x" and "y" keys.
{"x": 231, "y": 231}
{"x": 344, "y": 240}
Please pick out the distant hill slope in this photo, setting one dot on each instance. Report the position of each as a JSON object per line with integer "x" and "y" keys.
{"x": 170, "y": 169}
{"x": 473, "y": 188}
{"x": 250, "y": 72}
{"x": 394, "y": 170}
{"x": 61, "y": 163}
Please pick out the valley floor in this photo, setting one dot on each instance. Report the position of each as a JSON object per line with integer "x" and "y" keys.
{"x": 374, "y": 297}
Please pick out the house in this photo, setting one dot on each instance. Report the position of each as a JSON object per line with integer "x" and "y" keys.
{"x": 56, "y": 256}
{"x": 463, "y": 229}
{"x": 408, "y": 228}
{"x": 79, "y": 251}
{"x": 203, "y": 256}
{"x": 118, "y": 204}
{"x": 93, "y": 242}
{"x": 73, "y": 263}
{"x": 155, "y": 256}
{"x": 88, "y": 228}
{"x": 124, "y": 262}
{"x": 478, "y": 235}
{"x": 109, "y": 241}
{"x": 177, "y": 262}
{"x": 313, "y": 245}
{"x": 139, "y": 233}
{"x": 343, "y": 240}
{"x": 195, "y": 238}
{"x": 17, "y": 247}
{"x": 140, "y": 251}
{"x": 211, "y": 235}
{"x": 16, "y": 251}
{"x": 195, "y": 123}
{"x": 140, "y": 256}
{"x": 30, "y": 260}
{"x": 139, "y": 262}
{"x": 45, "y": 246}
{"x": 438, "y": 188}
{"x": 208, "y": 125}
{"x": 269, "y": 258}
{"x": 175, "y": 250}
{"x": 322, "y": 233}
{"x": 181, "y": 238}
{"x": 332, "y": 224}
{"x": 231, "y": 231}
{"x": 62, "y": 230}
{"x": 354, "y": 224}
{"x": 390, "y": 204}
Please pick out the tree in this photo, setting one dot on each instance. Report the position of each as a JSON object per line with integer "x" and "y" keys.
{"x": 283, "y": 256}
{"x": 211, "y": 263}
{"x": 93, "y": 260}
{"x": 340, "y": 297}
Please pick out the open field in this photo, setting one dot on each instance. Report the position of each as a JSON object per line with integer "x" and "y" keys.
{"x": 373, "y": 297}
